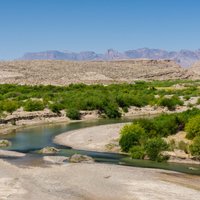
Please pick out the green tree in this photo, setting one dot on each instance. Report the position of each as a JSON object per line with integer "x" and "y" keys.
{"x": 170, "y": 103}
{"x": 73, "y": 113}
{"x": 112, "y": 111}
{"x": 154, "y": 147}
{"x": 193, "y": 127}
{"x": 195, "y": 147}
{"x": 10, "y": 106}
{"x": 165, "y": 125}
{"x": 34, "y": 105}
{"x": 56, "y": 107}
{"x": 131, "y": 135}
{"x": 137, "y": 152}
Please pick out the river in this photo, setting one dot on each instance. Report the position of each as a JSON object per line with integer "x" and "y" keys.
{"x": 29, "y": 140}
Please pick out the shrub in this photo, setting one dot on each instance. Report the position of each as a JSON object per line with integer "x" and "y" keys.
{"x": 172, "y": 144}
{"x": 56, "y": 107}
{"x": 112, "y": 111}
{"x": 170, "y": 103}
{"x": 131, "y": 135}
{"x": 73, "y": 113}
{"x": 137, "y": 152}
{"x": 195, "y": 147}
{"x": 183, "y": 146}
{"x": 10, "y": 106}
{"x": 165, "y": 125}
{"x": 34, "y": 105}
{"x": 198, "y": 101}
{"x": 184, "y": 117}
{"x": 193, "y": 127}
{"x": 125, "y": 109}
{"x": 153, "y": 148}
{"x": 148, "y": 126}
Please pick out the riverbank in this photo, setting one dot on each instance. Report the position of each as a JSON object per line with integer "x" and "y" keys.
{"x": 82, "y": 182}
{"x": 104, "y": 138}
{"x": 21, "y": 119}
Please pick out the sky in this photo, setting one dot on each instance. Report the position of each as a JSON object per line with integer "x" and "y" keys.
{"x": 97, "y": 25}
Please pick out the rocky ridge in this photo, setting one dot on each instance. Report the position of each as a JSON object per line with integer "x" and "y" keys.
{"x": 57, "y": 72}
{"x": 183, "y": 57}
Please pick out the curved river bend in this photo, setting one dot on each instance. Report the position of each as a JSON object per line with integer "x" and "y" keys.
{"x": 29, "y": 140}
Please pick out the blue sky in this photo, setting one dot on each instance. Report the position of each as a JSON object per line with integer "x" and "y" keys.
{"x": 78, "y": 25}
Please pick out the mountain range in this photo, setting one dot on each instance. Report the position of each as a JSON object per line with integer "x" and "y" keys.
{"x": 185, "y": 58}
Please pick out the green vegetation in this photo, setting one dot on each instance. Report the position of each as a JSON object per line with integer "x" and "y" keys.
{"x": 73, "y": 113}
{"x": 33, "y": 105}
{"x": 109, "y": 100}
{"x": 195, "y": 147}
{"x": 131, "y": 135}
{"x": 193, "y": 127}
{"x": 154, "y": 147}
{"x": 137, "y": 152}
{"x": 9, "y": 106}
{"x": 145, "y": 136}
{"x": 142, "y": 138}
{"x": 170, "y": 103}
{"x": 183, "y": 146}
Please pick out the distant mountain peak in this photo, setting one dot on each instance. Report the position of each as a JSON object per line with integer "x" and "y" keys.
{"x": 183, "y": 57}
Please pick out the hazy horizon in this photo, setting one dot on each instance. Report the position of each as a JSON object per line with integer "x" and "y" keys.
{"x": 92, "y": 25}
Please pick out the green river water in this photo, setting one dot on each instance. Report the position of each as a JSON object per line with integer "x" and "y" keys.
{"x": 29, "y": 140}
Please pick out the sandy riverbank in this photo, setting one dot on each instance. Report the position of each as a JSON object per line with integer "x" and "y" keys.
{"x": 102, "y": 138}
{"x": 20, "y": 119}
{"x": 95, "y": 181}
{"x": 105, "y": 138}
{"x": 36, "y": 118}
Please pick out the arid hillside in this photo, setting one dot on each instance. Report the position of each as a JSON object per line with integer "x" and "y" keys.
{"x": 66, "y": 72}
{"x": 195, "y": 68}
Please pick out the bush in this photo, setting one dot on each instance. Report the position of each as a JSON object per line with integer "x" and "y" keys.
{"x": 112, "y": 111}
{"x": 193, "y": 127}
{"x": 10, "y": 106}
{"x": 131, "y": 135}
{"x": 73, "y": 113}
{"x": 170, "y": 103}
{"x": 34, "y": 105}
{"x": 165, "y": 125}
{"x": 172, "y": 145}
{"x": 154, "y": 147}
{"x": 183, "y": 146}
{"x": 148, "y": 126}
{"x": 137, "y": 152}
{"x": 184, "y": 117}
{"x": 195, "y": 147}
{"x": 56, "y": 107}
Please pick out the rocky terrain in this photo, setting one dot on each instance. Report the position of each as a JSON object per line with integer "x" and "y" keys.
{"x": 195, "y": 68}
{"x": 183, "y": 57}
{"x": 58, "y": 72}
{"x": 83, "y": 181}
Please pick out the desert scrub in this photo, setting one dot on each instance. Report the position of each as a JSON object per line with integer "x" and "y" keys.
{"x": 154, "y": 147}
{"x": 34, "y": 105}
{"x": 73, "y": 113}
{"x": 193, "y": 127}
{"x": 131, "y": 135}
{"x": 195, "y": 147}
{"x": 183, "y": 146}
{"x": 145, "y": 136}
{"x": 9, "y": 106}
{"x": 137, "y": 152}
{"x": 109, "y": 100}
{"x": 170, "y": 103}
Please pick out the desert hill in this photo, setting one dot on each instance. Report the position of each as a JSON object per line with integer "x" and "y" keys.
{"x": 58, "y": 72}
